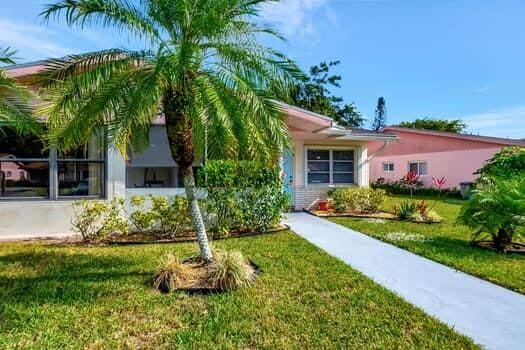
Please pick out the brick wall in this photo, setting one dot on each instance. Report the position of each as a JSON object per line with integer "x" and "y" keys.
{"x": 308, "y": 197}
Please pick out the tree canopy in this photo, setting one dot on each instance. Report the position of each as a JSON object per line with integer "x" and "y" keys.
{"x": 313, "y": 93}
{"x": 436, "y": 124}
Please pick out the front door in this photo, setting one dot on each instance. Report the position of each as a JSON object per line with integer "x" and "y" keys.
{"x": 288, "y": 173}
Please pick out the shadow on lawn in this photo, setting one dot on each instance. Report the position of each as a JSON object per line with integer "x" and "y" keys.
{"x": 52, "y": 276}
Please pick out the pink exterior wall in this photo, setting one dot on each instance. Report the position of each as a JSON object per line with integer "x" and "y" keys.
{"x": 456, "y": 166}
{"x": 453, "y": 156}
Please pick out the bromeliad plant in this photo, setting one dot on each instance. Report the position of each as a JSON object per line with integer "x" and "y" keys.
{"x": 202, "y": 69}
{"x": 497, "y": 210}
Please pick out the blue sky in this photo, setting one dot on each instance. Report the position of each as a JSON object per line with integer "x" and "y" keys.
{"x": 437, "y": 58}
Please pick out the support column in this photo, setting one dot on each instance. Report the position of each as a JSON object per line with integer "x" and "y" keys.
{"x": 363, "y": 177}
{"x": 116, "y": 174}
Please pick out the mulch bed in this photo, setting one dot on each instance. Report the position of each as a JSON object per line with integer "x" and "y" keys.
{"x": 380, "y": 215}
{"x": 141, "y": 238}
{"x": 514, "y": 247}
{"x": 146, "y": 238}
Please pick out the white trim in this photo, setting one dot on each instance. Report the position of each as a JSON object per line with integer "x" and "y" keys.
{"x": 330, "y": 169}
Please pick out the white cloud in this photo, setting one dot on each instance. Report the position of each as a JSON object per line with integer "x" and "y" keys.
{"x": 481, "y": 89}
{"x": 297, "y": 18}
{"x": 30, "y": 37}
{"x": 506, "y": 122}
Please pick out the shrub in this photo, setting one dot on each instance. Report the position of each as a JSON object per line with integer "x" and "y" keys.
{"x": 505, "y": 164}
{"x": 497, "y": 209}
{"x": 358, "y": 199}
{"x": 95, "y": 219}
{"x": 242, "y": 195}
{"x": 402, "y": 187}
{"x": 171, "y": 274}
{"x": 230, "y": 270}
{"x": 143, "y": 220}
{"x": 173, "y": 214}
{"x": 262, "y": 208}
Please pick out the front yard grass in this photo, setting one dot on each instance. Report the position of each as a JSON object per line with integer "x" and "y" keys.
{"x": 447, "y": 243}
{"x": 98, "y": 297}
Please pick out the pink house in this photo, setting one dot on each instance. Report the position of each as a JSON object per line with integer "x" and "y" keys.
{"x": 433, "y": 153}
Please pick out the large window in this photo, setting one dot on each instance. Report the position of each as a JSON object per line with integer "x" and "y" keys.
{"x": 419, "y": 167}
{"x": 330, "y": 166}
{"x": 81, "y": 171}
{"x": 29, "y": 170}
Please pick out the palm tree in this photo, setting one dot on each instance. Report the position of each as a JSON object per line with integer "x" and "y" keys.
{"x": 202, "y": 68}
{"x": 15, "y": 108}
{"x": 497, "y": 209}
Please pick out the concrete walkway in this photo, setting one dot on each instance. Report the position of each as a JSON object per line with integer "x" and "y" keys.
{"x": 491, "y": 315}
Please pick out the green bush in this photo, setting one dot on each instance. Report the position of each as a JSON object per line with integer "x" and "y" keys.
{"x": 402, "y": 187}
{"x": 142, "y": 219}
{"x": 507, "y": 163}
{"x": 95, "y": 219}
{"x": 172, "y": 213}
{"x": 356, "y": 199}
{"x": 243, "y": 195}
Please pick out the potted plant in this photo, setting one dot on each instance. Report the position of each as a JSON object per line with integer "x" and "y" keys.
{"x": 323, "y": 205}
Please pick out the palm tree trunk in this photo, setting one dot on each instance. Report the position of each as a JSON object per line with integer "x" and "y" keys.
{"x": 180, "y": 138}
{"x": 196, "y": 215}
{"x": 502, "y": 240}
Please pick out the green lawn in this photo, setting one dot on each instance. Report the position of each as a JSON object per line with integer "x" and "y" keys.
{"x": 97, "y": 297}
{"x": 447, "y": 243}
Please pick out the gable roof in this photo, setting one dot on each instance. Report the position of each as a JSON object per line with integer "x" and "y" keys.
{"x": 468, "y": 137}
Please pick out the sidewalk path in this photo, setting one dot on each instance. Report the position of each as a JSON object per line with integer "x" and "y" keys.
{"x": 491, "y": 315}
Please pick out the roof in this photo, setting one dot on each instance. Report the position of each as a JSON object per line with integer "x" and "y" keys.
{"x": 469, "y": 137}
{"x": 321, "y": 123}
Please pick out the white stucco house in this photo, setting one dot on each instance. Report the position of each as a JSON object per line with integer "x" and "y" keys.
{"x": 323, "y": 155}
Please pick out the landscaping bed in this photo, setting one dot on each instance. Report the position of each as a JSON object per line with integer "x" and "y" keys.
{"x": 72, "y": 297}
{"x": 189, "y": 236}
{"x": 334, "y": 214}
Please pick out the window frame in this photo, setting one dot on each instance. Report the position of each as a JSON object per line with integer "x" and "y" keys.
{"x": 331, "y": 160}
{"x": 388, "y": 167}
{"x": 418, "y": 162}
{"x": 53, "y": 186}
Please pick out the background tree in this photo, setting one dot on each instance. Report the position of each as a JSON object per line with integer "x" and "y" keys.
{"x": 15, "y": 109}
{"x": 437, "y": 124}
{"x": 380, "y": 116}
{"x": 313, "y": 93}
{"x": 203, "y": 69}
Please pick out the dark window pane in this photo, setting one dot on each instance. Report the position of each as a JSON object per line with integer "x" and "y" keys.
{"x": 412, "y": 167}
{"x": 318, "y": 154}
{"x": 24, "y": 179}
{"x": 13, "y": 145}
{"x": 343, "y": 166}
{"x": 318, "y": 166}
{"x": 343, "y": 155}
{"x": 318, "y": 178}
{"x": 391, "y": 167}
{"x": 343, "y": 178}
{"x": 93, "y": 149}
{"x": 80, "y": 179}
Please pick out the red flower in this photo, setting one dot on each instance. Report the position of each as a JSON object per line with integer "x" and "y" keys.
{"x": 439, "y": 183}
{"x": 412, "y": 177}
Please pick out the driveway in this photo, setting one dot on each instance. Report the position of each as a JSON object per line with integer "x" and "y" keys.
{"x": 491, "y": 315}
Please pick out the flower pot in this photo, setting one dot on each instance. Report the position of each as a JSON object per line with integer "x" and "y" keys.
{"x": 323, "y": 205}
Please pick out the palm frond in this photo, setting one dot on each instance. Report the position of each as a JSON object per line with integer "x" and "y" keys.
{"x": 122, "y": 15}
